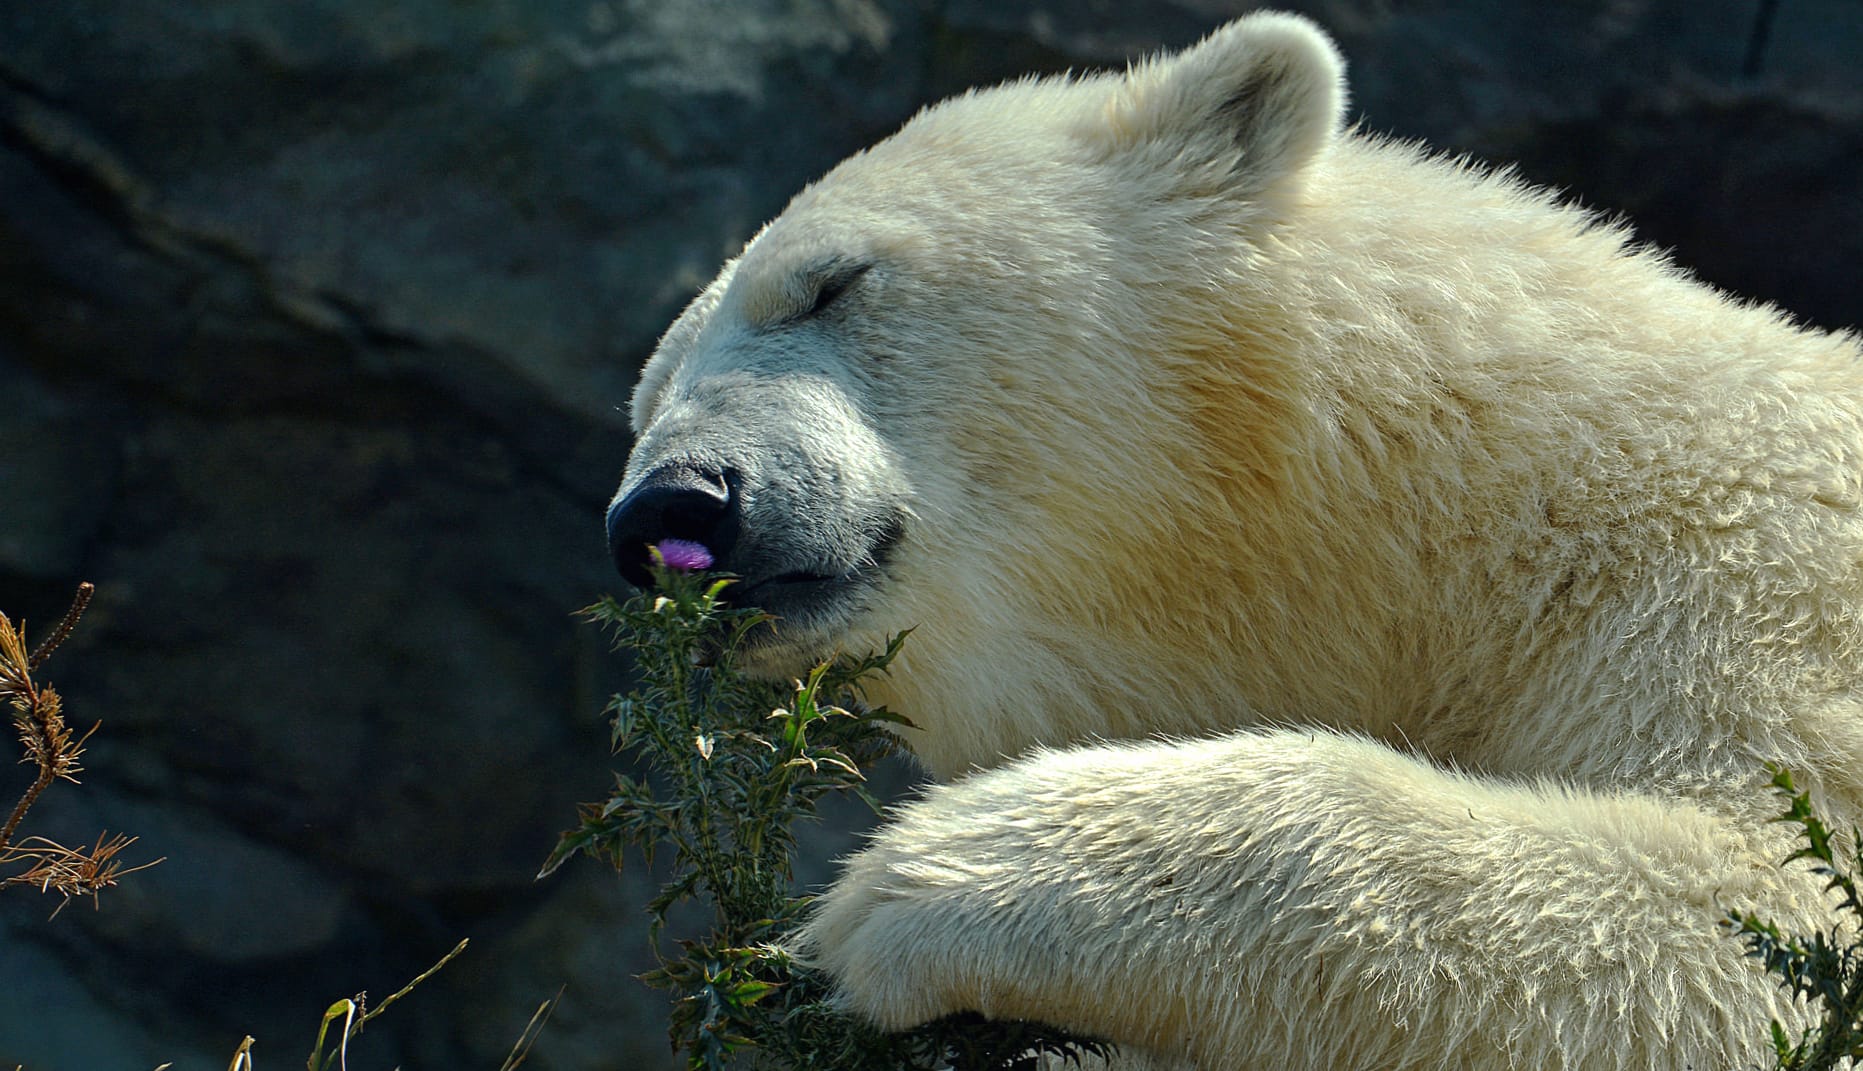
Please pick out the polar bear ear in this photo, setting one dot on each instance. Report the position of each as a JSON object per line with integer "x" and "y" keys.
{"x": 1246, "y": 107}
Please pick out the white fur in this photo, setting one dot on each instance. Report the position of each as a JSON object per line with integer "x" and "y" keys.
{"x": 1500, "y": 553}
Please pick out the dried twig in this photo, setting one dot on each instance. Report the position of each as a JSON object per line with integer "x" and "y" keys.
{"x": 38, "y": 713}
{"x": 70, "y": 872}
{"x": 65, "y": 625}
{"x": 39, "y": 718}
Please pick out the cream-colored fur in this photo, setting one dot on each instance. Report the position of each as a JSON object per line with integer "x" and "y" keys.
{"x": 1450, "y": 567}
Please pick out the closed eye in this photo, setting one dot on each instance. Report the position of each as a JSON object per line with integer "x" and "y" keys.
{"x": 831, "y": 281}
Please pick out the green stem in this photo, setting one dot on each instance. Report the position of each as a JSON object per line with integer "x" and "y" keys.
{"x": 1840, "y": 1034}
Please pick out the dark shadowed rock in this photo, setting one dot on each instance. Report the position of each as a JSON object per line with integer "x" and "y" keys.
{"x": 58, "y": 477}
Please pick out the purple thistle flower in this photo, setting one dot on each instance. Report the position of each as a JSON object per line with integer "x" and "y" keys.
{"x": 683, "y": 555}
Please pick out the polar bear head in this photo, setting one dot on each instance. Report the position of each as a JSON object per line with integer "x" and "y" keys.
{"x": 952, "y": 386}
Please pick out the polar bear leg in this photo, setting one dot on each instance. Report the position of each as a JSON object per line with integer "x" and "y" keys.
{"x": 1280, "y": 899}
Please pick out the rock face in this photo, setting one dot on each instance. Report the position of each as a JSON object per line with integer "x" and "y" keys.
{"x": 315, "y": 324}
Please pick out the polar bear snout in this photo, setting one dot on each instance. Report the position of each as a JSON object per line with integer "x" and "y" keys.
{"x": 680, "y": 500}
{"x": 781, "y": 475}
{"x": 799, "y": 551}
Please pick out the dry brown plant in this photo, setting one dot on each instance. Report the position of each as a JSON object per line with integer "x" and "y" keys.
{"x": 49, "y": 745}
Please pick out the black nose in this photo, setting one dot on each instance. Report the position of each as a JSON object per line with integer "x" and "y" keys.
{"x": 677, "y": 501}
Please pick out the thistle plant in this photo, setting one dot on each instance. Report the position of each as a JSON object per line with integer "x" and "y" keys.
{"x": 1823, "y": 967}
{"x": 730, "y": 765}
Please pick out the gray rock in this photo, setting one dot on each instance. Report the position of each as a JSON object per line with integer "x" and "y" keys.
{"x": 56, "y": 1022}
{"x": 219, "y": 895}
{"x": 58, "y": 475}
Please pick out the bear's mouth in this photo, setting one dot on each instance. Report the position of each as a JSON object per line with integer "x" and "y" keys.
{"x": 813, "y": 608}
{"x": 788, "y": 594}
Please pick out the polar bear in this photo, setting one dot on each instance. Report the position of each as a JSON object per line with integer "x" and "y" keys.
{"x": 1356, "y": 595}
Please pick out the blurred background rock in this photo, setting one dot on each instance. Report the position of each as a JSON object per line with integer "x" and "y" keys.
{"x": 317, "y": 319}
